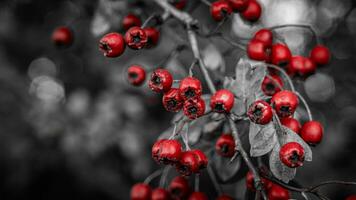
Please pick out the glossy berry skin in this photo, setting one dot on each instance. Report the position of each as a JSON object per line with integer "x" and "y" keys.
{"x": 272, "y": 84}
{"x": 292, "y": 124}
{"x": 152, "y": 36}
{"x": 194, "y": 108}
{"x": 252, "y": 12}
{"x": 250, "y": 183}
{"x": 172, "y": 101}
{"x": 260, "y": 112}
{"x": 285, "y": 103}
{"x": 131, "y": 20}
{"x": 280, "y": 54}
{"x": 292, "y": 154}
{"x": 136, "y": 38}
{"x": 112, "y": 45}
{"x": 160, "y": 194}
{"x": 202, "y": 159}
{"x": 156, "y": 150}
{"x": 225, "y": 145}
{"x": 320, "y": 55}
{"x": 179, "y": 4}
{"x": 161, "y": 80}
{"x": 312, "y": 132}
{"x": 222, "y": 101}
{"x": 257, "y": 50}
{"x": 140, "y": 191}
{"x": 224, "y": 197}
{"x": 188, "y": 163}
{"x": 220, "y": 9}
{"x": 278, "y": 193}
{"x": 265, "y": 36}
{"x": 238, "y": 5}
{"x": 301, "y": 66}
{"x": 136, "y": 75}
{"x": 170, "y": 152}
{"x": 198, "y": 196}
{"x": 179, "y": 188}
{"x": 62, "y": 36}
{"x": 190, "y": 88}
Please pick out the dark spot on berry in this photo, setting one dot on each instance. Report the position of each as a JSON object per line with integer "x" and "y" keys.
{"x": 257, "y": 112}
{"x": 136, "y": 39}
{"x": 172, "y": 103}
{"x": 285, "y": 109}
{"x": 270, "y": 87}
{"x": 190, "y": 93}
{"x": 176, "y": 192}
{"x": 133, "y": 75}
{"x": 156, "y": 80}
{"x": 192, "y": 110}
{"x": 104, "y": 46}
{"x": 224, "y": 149}
{"x": 219, "y": 107}
{"x": 294, "y": 158}
{"x": 283, "y": 63}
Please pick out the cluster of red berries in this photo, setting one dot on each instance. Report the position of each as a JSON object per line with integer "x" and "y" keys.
{"x": 225, "y": 146}
{"x": 62, "y": 37}
{"x": 250, "y": 10}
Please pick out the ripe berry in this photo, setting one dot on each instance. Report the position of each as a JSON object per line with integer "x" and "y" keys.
{"x": 312, "y": 132}
{"x": 190, "y": 88}
{"x": 136, "y": 75}
{"x": 265, "y": 36}
{"x": 258, "y": 50}
{"x": 172, "y": 101}
{"x": 238, "y": 5}
{"x": 222, "y": 101}
{"x": 141, "y": 191}
{"x": 301, "y": 66}
{"x": 156, "y": 150}
{"x": 179, "y": 4}
{"x": 280, "y": 54}
{"x": 292, "y": 124}
{"x": 131, "y": 20}
{"x": 220, "y": 9}
{"x": 188, "y": 163}
{"x": 194, "y": 108}
{"x": 161, "y": 80}
{"x": 112, "y": 45}
{"x": 272, "y": 84}
{"x": 320, "y": 55}
{"x": 136, "y": 38}
{"x": 152, "y": 36}
{"x": 160, "y": 194}
{"x": 292, "y": 154}
{"x": 225, "y": 146}
{"x": 285, "y": 103}
{"x": 224, "y": 197}
{"x": 179, "y": 188}
{"x": 202, "y": 159}
{"x": 250, "y": 182}
{"x": 260, "y": 112}
{"x": 253, "y": 11}
{"x": 198, "y": 196}
{"x": 170, "y": 151}
{"x": 62, "y": 36}
{"x": 278, "y": 193}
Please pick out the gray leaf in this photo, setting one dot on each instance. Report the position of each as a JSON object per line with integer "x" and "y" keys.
{"x": 224, "y": 169}
{"x": 278, "y": 169}
{"x": 262, "y": 139}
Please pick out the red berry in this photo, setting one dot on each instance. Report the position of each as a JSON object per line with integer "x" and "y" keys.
{"x": 280, "y": 54}
{"x": 179, "y": 188}
{"x": 258, "y": 50}
{"x": 320, "y": 55}
{"x": 292, "y": 154}
{"x": 272, "y": 84}
{"x": 238, "y": 5}
{"x": 179, "y": 4}
{"x": 225, "y": 146}
{"x": 161, "y": 80}
{"x": 351, "y": 197}
{"x": 220, "y": 9}
{"x": 312, "y": 132}
{"x": 136, "y": 38}
{"x": 292, "y": 124}
{"x": 202, "y": 159}
{"x": 260, "y": 112}
{"x": 250, "y": 182}
{"x": 222, "y": 101}
{"x": 285, "y": 103}
{"x": 278, "y": 193}
{"x": 252, "y": 12}
{"x": 152, "y": 36}
{"x": 172, "y": 101}
{"x": 156, "y": 150}
{"x": 265, "y": 36}
{"x": 170, "y": 151}
{"x": 301, "y": 66}
{"x": 224, "y": 197}
{"x": 62, "y": 36}
{"x": 131, "y": 20}
{"x": 160, "y": 194}
{"x": 194, "y": 108}
{"x": 198, "y": 196}
{"x": 140, "y": 191}
{"x": 136, "y": 75}
{"x": 188, "y": 163}
{"x": 112, "y": 45}
{"x": 190, "y": 88}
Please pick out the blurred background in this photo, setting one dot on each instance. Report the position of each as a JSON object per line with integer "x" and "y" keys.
{"x": 72, "y": 128}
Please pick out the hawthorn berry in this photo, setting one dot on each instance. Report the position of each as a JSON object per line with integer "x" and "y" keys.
{"x": 292, "y": 154}
{"x": 292, "y": 124}
{"x": 152, "y": 36}
{"x": 194, "y": 108}
{"x": 252, "y": 12}
{"x": 172, "y": 101}
{"x": 272, "y": 84}
{"x": 140, "y": 191}
{"x": 190, "y": 88}
{"x": 131, "y": 20}
{"x": 156, "y": 150}
{"x": 301, "y": 66}
{"x": 285, "y": 103}
{"x": 198, "y": 196}
{"x": 161, "y": 80}
{"x": 179, "y": 188}
{"x": 170, "y": 152}
{"x": 202, "y": 159}
{"x": 280, "y": 54}
{"x": 238, "y": 5}
{"x": 225, "y": 146}
{"x": 222, "y": 101}
{"x": 258, "y": 50}
{"x": 312, "y": 132}
{"x": 250, "y": 182}
{"x": 188, "y": 163}
{"x": 136, "y": 38}
{"x": 160, "y": 194}
{"x": 224, "y": 197}
{"x": 136, "y": 75}
{"x": 265, "y": 36}
{"x": 112, "y": 45}
{"x": 278, "y": 193}
{"x": 320, "y": 55}
{"x": 179, "y": 4}
{"x": 220, "y": 9}
{"x": 260, "y": 112}
{"x": 62, "y": 36}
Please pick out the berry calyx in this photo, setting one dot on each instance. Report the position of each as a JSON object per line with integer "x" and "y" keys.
{"x": 136, "y": 38}
{"x": 136, "y": 75}
{"x": 190, "y": 88}
{"x": 198, "y": 196}
{"x": 160, "y": 194}
{"x": 152, "y": 36}
{"x": 238, "y": 5}
{"x": 140, "y": 191}
{"x": 220, "y": 9}
{"x": 131, "y": 20}
{"x": 188, "y": 163}
{"x": 292, "y": 124}
{"x": 112, "y": 45}
{"x": 260, "y": 112}
{"x": 285, "y": 103}
{"x": 62, "y": 36}
{"x": 301, "y": 66}
{"x": 292, "y": 154}
{"x": 280, "y": 54}
{"x": 253, "y": 11}
{"x": 224, "y": 197}
{"x": 272, "y": 84}
{"x": 278, "y": 193}
{"x": 194, "y": 108}
{"x": 179, "y": 188}
{"x": 161, "y": 80}
{"x": 265, "y": 36}
{"x": 312, "y": 132}
{"x": 225, "y": 146}
{"x": 222, "y": 101}
{"x": 202, "y": 159}
{"x": 172, "y": 101}
{"x": 320, "y": 55}
{"x": 258, "y": 50}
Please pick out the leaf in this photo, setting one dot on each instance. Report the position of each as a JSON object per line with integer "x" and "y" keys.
{"x": 213, "y": 58}
{"x": 262, "y": 139}
{"x": 278, "y": 169}
{"x": 224, "y": 169}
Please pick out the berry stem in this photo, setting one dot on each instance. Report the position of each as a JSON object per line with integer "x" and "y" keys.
{"x": 150, "y": 18}
{"x": 220, "y": 24}
{"x": 186, "y": 139}
{"x": 206, "y": 2}
{"x": 192, "y": 66}
{"x": 305, "y": 105}
{"x": 214, "y": 180}
{"x": 226, "y": 39}
{"x": 152, "y": 176}
{"x": 162, "y": 181}
{"x": 196, "y": 182}
{"x": 304, "y": 26}
{"x": 290, "y": 82}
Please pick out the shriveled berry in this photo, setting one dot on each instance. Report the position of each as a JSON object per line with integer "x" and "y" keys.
{"x": 292, "y": 124}
{"x": 140, "y": 191}
{"x": 285, "y": 103}
{"x": 224, "y": 197}
{"x": 258, "y": 50}
{"x": 198, "y": 196}
{"x": 278, "y": 193}
{"x": 190, "y": 88}
{"x": 112, "y": 45}
{"x": 280, "y": 54}
{"x": 238, "y": 5}
{"x": 179, "y": 4}
{"x": 301, "y": 66}
{"x": 225, "y": 146}
{"x": 136, "y": 75}
{"x": 265, "y": 36}
{"x": 272, "y": 84}
{"x": 136, "y": 38}
{"x": 194, "y": 108}
{"x": 179, "y": 188}
{"x": 172, "y": 101}
{"x": 320, "y": 55}
{"x": 161, "y": 80}
{"x": 220, "y": 9}
{"x": 160, "y": 194}
{"x": 260, "y": 112}
{"x": 253, "y": 11}
{"x": 62, "y": 36}
{"x": 312, "y": 132}
{"x": 188, "y": 163}
{"x": 222, "y": 101}
{"x": 152, "y": 36}
{"x": 202, "y": 159}
{"x": 292, "y": 154}
{"x": 131, "y": 20}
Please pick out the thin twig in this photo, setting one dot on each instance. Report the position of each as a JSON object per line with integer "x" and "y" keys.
{"x": 304, "y": 26}
{"x": 206, "y": 2}
{"x": 290, "y": 82}
{"x": 196, "y": 182}
{"x": 305, "y": 105}
{"x": 152, "y": 176}
{"x": 162, "y": 181}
